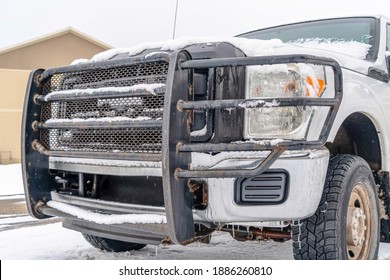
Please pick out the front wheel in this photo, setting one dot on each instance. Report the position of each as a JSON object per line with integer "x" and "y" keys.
{"x": 112, "y": 245}
{"x": 346, "y": 223}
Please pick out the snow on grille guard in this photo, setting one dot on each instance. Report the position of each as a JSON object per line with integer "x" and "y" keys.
{"x": 176, "y": 137}
{"x": 176, "y": 143}
{"x": 276, "y": 150}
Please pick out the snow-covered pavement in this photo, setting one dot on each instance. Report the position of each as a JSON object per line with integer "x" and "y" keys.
{"x": 32, "y": 241}
{"x": 54, "y": 242}
{"x": 11, "y": 180}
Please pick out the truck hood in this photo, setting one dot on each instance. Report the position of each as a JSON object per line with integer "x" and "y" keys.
{"x": 250, "y": 47}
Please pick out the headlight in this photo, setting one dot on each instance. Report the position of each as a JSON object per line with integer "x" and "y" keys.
{"x": 281, "y": 81}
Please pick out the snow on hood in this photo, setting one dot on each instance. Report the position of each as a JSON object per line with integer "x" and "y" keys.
{"x": 251, "y": 47}
{"x": 349, "y": 54}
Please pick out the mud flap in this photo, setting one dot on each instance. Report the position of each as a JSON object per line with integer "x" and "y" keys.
{"x": 382, "y": 179}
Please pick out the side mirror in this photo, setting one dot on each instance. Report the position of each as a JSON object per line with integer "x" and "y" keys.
{"x": 379, "y": 74}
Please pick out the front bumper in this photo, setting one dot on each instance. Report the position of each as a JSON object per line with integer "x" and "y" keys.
{"x": 306, "y": 170}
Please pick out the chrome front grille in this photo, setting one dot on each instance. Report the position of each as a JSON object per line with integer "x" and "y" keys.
{"x": 105, "y": 110}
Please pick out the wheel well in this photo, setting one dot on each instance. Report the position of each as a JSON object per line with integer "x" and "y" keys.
{"x": 358, "y": 136}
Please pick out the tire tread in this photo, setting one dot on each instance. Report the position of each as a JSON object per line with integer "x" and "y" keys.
{"x": 315, "y": 237}
{"x": 110, "y": 244}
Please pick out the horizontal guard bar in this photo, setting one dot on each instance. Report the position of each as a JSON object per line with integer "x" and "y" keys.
{"x": 266, "y": 60}
{"x": 37, "y": 146}
{"x": 255, "y": 103}
{"x": 242, "y": 147}
{"x": 257, "y": 60}
{"x": 263, "y": 166}
{"x": 101, "y": 124}
{"x": 103, "y": 94}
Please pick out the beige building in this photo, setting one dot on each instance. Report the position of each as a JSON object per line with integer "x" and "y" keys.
{"x": 16, "y": 62}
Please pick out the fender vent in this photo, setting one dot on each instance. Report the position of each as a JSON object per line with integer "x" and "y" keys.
{"x": 268, "y": 188}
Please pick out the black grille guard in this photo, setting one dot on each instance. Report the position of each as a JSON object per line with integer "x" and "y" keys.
{"x": 176, "y": 138}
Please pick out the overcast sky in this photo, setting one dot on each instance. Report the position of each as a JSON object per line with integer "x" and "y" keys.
{"x": 122, "y": 23}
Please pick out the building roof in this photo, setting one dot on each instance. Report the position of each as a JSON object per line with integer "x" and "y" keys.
{"x": 67, "y": 30}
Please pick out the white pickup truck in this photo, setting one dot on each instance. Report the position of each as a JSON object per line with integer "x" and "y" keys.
{"x": 280, "y": 133}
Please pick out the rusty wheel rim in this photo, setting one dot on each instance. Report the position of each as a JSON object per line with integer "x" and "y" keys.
{"x": 358, "y": 224}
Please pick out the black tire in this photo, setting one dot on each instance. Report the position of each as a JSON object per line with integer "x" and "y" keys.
{"x": 112, "y": 245}
{"x": 346, "y": 223}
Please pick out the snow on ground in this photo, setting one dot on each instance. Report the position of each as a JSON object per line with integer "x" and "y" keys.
{"x": 57, "y": 243}
{"x": 52, "y": 241}
{"x": 11, "y": 179}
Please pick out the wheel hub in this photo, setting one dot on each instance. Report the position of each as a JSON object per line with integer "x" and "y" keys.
{"x": 358, "y": 233}
{"x": 356, "y": 226}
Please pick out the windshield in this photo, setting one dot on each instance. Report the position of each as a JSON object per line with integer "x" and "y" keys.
{"x": 351, "y": 36}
